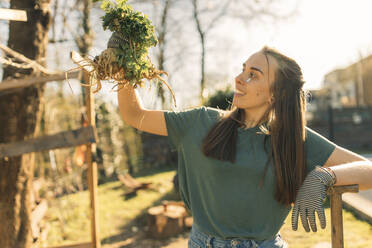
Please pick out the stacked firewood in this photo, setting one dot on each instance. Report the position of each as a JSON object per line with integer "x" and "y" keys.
{"x": 39, "y": 227}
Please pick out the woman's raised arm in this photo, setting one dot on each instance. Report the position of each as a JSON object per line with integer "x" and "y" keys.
{"x": 134, "y": 114}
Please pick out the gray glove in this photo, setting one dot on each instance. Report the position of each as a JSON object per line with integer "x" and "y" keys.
{"x": 310, "y": 198}
{"x": 115, "y": 40}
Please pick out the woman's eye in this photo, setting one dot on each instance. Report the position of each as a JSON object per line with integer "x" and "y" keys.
{"x": 251, "y": 75}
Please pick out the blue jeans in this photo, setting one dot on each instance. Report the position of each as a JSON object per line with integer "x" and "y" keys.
{"x": 201, "y": 240}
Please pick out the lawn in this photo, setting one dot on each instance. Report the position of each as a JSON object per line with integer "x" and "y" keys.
{"x": 357, "y": 233}
{"x": 68, "y": 217}
{"x": 120, "y": 219}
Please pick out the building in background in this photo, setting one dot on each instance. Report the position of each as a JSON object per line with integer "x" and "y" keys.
{"x": 350, "y": 86}
{"x": 343, "y": 106}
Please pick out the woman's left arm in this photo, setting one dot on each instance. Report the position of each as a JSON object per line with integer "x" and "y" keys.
{"x": 350, "y": 168}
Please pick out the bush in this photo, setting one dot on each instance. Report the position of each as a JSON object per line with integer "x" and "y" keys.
{"x": 222, "y": 99}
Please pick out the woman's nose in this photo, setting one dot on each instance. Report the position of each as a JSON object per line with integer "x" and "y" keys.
{"x": 238, "y": 81}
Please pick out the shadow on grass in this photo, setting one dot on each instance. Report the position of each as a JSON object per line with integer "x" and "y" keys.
{"x": 134, "y": 233}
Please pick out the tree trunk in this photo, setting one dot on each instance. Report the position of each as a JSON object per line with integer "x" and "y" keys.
{"x": 84, "y": 41}
{"x": 162, "y": 43}
{"x": 202, "y": 34}
{"x": 18, "y": 121}
{"x": 202, "y": 78}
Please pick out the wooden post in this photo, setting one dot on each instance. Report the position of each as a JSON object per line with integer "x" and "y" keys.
{"x": 82, "y": 245}
{"x": 13, "y": 15}
{"x": 92, "y": 167}
{"x": 336, "y": 212}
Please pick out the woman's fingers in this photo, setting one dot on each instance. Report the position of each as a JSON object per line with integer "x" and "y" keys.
{"x": 312, "y": 221}
{"x": 321, "y": 217}
{"x": 304, "y": 221}
{"x": 295, "y": 217}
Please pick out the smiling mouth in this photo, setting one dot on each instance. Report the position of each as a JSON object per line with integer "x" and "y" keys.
{"x": 239, "y": 93}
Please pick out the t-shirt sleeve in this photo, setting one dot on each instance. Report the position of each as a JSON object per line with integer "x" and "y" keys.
{"x": 318, "y": 149}
{"x": 179, "y": 123}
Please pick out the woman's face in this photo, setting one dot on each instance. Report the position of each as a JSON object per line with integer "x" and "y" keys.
{"x": 252, "y": 85}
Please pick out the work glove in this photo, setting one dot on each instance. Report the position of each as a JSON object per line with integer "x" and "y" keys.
{"x": 115, "y": 40}
{"x": 310, "y": 198}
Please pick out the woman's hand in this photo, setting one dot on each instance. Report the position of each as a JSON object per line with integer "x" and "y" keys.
{"x": 115, "y": 40}
{"x": 310, "y": 199}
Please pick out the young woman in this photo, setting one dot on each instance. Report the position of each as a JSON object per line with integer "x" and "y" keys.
{"x": 241, "y": 170}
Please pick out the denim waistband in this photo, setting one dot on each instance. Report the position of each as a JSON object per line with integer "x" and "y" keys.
{"x": 203, "y": 240}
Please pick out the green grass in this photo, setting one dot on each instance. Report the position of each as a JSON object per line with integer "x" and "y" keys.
{"x": 69, "y": 222}
{"x": 357, "y": 234}
{"x": 68, "y": 216}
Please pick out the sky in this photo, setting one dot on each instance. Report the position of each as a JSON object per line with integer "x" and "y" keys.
{"x": 323, "y": 36}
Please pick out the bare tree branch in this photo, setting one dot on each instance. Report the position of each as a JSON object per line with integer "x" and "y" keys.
{"x": 29, "y": 63}
{"x": 247, "y": 11}
{"x": 196, "y": 17}
{"x": 222, "y": 13}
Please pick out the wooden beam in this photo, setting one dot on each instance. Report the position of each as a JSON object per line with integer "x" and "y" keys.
{"x": 353, "y": 188}
{"x": 13, "y": 15}
{"x": 336, "y": 212}
{"x": 92, "y": 167}
{"x": 82, "y": 62}
{"x": 82, "y": 245}
{"x": 28, "y": 81}
{"x": 76, "y": 137}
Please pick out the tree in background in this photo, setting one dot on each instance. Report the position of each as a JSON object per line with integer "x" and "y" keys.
{"x": 221, "y": 99}
{"x": 78, "y": 14}
{"x": 207, "y": 14}
{"x": 18, "y": 121}
{"x": 162, "y": 31}
{"x": 118, "y": 142}
{"x": 60, "y": 112}
{"x": 168, "y": 18}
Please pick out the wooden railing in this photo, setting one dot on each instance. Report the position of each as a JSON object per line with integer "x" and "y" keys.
{"x": 335, "y": 194}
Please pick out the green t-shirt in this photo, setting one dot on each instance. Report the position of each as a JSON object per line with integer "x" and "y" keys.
{"x": 224, "y": 197}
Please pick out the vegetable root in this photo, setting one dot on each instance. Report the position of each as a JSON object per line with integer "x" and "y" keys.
{"x": 105, "y": 67}
{"x": 126, "y": 60}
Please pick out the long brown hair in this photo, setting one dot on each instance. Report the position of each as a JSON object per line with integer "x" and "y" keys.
{"x": 284, "y": 121}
